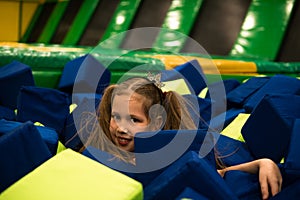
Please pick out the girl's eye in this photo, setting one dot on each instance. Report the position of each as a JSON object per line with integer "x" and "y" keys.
{"x": 135, "y": 120}
{"x": 115, "y": 117}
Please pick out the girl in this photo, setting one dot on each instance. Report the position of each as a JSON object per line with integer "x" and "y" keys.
{"x": 138, "y": 105}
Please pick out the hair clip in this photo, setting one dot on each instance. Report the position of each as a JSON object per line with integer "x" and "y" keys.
{"x": 156, "y": 79}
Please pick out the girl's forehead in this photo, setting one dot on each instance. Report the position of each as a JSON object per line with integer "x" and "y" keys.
{"x": 126, "y": 101}
{"x": 128, "y": 104}
{"x": 129, "y": 96}
{"x": 122, "y": 101}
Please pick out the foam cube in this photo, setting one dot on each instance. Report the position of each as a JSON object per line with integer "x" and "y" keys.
{"x": 188, "y": 171}
{"x": 191, "y": 72}
{"x": 279, "y": 84}
{"x": 49, "y": 135}
{"x": 44, "y": 105}
{"x": 243, "y": 184}
{"x": 189, "y": 193}
{"x": 238, "y": 96}
{"x": 12, "y": 77}
{"x": 6, "y": 113}
{"x": 21, "y": 150}
{"x": 292, "y": 160}
{"x": 85, "y": 111}
{"x": 84, "y": 75}
{"x": 231, "y": 151}
{"x": 155, "y": 151}
{"x": 267, "y": 131}
{"x": 70, "y": 175}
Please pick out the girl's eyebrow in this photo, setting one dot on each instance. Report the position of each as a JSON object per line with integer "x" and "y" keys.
{"x": 114, "y": 113}
{"x": 136, "y": 116}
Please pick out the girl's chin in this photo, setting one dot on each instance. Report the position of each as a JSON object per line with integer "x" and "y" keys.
{"x": 126, "y": 148}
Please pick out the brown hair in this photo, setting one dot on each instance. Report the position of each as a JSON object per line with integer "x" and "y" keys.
{"x": 175, "y": 106}
{"x": 173, "y": 103}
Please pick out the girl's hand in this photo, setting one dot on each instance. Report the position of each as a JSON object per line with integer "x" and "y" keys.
{"x": 270, "y": 178}
{"x": 221, "y": 172}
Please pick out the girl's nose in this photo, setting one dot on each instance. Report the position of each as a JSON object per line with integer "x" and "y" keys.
{"x": 122, "y": 130}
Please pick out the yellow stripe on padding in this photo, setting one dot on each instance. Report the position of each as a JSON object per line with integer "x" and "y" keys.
{"x": 42, "y": 48}
{"x": 233, "y": 130}
{"x": 70, "y": 175}
{"x": 209, "y": 66}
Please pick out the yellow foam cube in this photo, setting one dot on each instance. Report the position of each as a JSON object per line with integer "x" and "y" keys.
{"x": 70, "y": 175}
{"x": 233, "y": 130}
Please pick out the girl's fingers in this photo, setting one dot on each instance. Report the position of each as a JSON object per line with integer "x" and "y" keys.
{"x": 275, "y": 186}
{"x": 264, "y": 187}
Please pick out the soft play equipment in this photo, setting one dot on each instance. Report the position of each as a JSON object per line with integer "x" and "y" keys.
{"x": 292, "y": 164}
{"x": 191, "y": 72}
{"x": 74, "y": 176}
{"x": 240, "y": 95}
{"x": 237, "y": 62}
{"x": 12, "y": 77}
{"x": 22, "y": 150}
{"x": 49, "y": 135}
{"x": 156, "y": 150}
{"x": 277, "y": 84}
{"x": 82, "y": 74}
{"x": 52, "y": 114}
{"x": 223, "y": 29}
{"x": 271, "y": 120}
{"x": 190, "y": 169}
{"x": 6, "y": 113}
{"x": 85, "y": 107}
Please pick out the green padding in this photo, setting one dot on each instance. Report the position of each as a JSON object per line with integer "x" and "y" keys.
{"x": 263, "y": 29}
{"x": 48, "y": 61}
{"x": 80, "y": 22}
{"x": 49, "y": 79}
{"x": 53, "y": 22}
{"x": 38, "y": 58}
{"x": 278, "y": 67}
{"x": 126, "y": 66}
{"x": 120, "y": 22}
{"x": 180, "y": 18}
{"x": 211, "y": 78}
{"x": 48, "y": 65}
{"x": 33, "y": 21}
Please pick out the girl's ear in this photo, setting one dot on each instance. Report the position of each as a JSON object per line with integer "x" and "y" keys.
{"x": 158, "y": 123}
{"x": 157, "y": 115}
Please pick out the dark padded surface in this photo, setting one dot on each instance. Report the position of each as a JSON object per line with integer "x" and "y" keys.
{"x": 99, "y": 22}
{"x": 290, "y": 49}
{"x": 151, "y": 13}
{"x": 40, "y": 23}
{"x": 63, "y": 27}
{"x": 218, "y": 25}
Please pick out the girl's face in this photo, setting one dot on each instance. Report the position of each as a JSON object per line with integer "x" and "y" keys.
{"x": 127, "y": 118}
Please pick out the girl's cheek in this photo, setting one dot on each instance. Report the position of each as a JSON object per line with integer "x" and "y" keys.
{"x": 112, "y": 126}
{"x": 141, "y": 129}
{"x": 110, "y": 129}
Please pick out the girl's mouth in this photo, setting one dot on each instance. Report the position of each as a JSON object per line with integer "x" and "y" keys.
{"x": 123, "y": 141}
